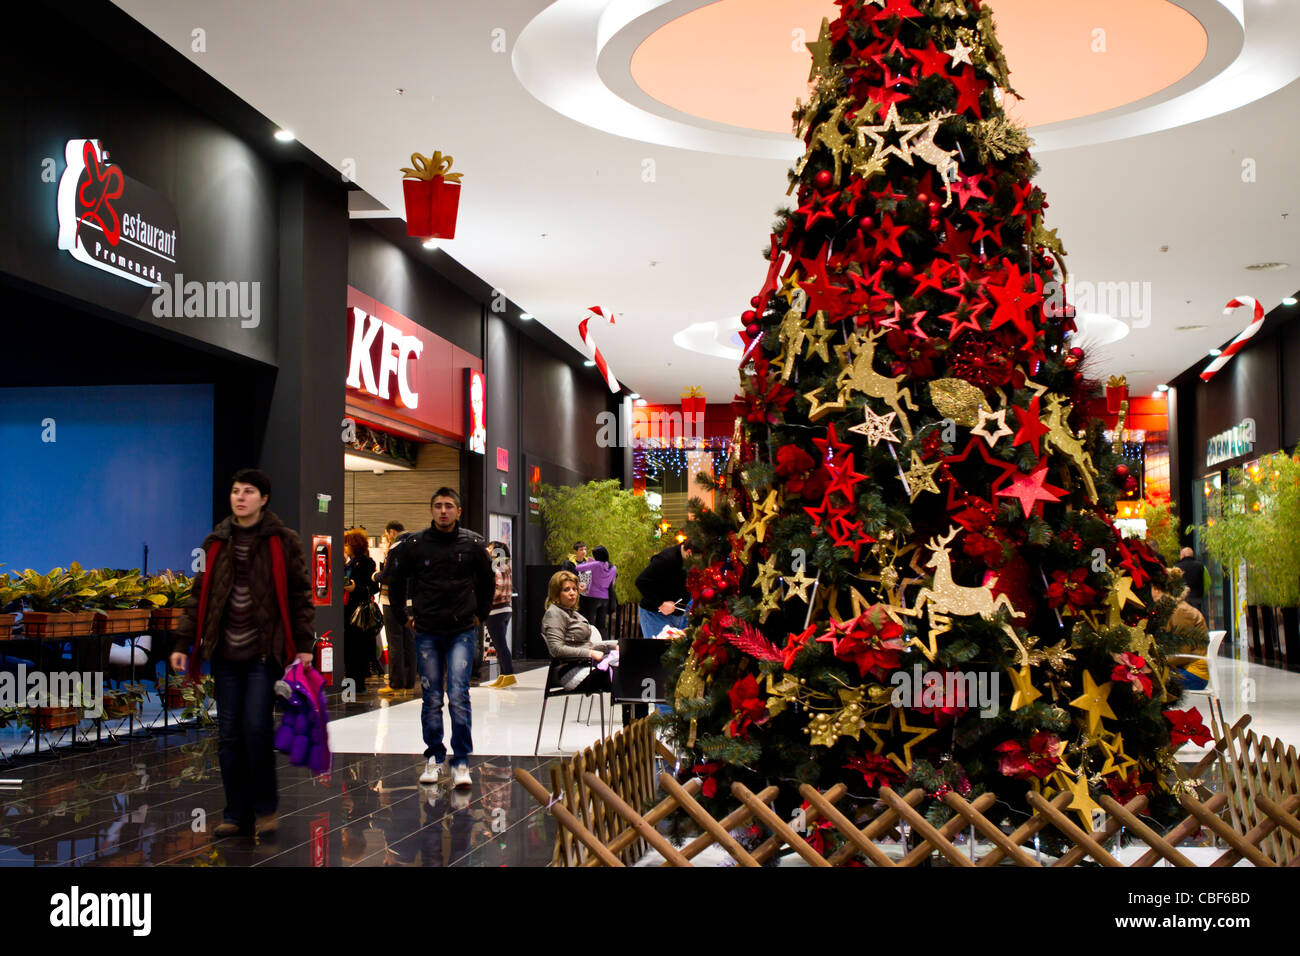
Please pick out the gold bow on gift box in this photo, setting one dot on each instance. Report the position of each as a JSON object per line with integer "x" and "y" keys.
{"x": 693, "y": 391}
{"x": 431, "y": 167}
{"x": 1117, "y": 381}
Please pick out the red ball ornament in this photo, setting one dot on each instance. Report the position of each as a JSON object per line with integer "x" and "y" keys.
{"x": 889, "y": 265}
{"x": 823, "y": 178}
{"x": 748, "y": 316}
{"x": 867, "y": 223}
{"x": 935, "y": 225}
{"x": 934, "y": 207}
{"x": 753, "y": 329}
{"x": 1077, "y": 353}
{"x": 756, "y": 302}
{"x": 906, "y": 270}
{"x": 1049, "y": 261}
{"x": 922, "y": 198}
{"x": 707, "y": 594}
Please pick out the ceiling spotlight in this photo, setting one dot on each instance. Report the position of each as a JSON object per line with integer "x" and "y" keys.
{"x": 1215, "y": 353}
{"x": 1162, "y": 388}
{"x": 1289, "y": 300}
{"x": 641, "y": 402}
{"x": 430, "y": 243}
{"x": 526, "y": 316}
{"x": 1158, "y": 395}
{"x": 284, "y": 135}
{"x": 589, "y": 363}
{"x": 634, "y": 396}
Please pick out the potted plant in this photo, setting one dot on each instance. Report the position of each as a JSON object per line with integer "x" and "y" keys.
{"x": 190, "y": 697}
{"x": 117, "y": 602}
{"x": 11, "y": 589}
{"x": 56, "y": 603}
{"x": 168, "y": 592}
{"x": 123, "y": 702}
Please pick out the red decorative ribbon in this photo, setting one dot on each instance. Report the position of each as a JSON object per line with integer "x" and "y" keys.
{"x": 1237, "y": 344}
{"x": 588, "y": 341}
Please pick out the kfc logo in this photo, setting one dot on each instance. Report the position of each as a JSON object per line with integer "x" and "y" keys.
{"x": 395, "y": 352}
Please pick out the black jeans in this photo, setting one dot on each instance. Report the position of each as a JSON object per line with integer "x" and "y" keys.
{"x": 401, "y": 652}
{"x": 245, "y": 693}
{"x": 497, "y": 625}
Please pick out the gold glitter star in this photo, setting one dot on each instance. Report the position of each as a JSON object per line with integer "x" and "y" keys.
{"x": 1094, "y": 701}
{"x": 819, "y": 408}
{"x": 1022, "y": 680}
{"x": 767, "y": 575}
{"x": 920, "y": 477}
{"x": 818, "y": 338}
{"x": 797, "y": 585}
{"x": 876, "y": 428}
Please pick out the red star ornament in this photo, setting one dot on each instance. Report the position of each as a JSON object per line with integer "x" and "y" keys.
{"x": 968, "y": 188}
{"x": 897, "y": 8}
{"x": 932, "y": 60}
{"x": 1031, "y": 427}
{"x": 817, "y": 208}
{"x": 831, "y": 447}
{"x": 1013, "y": 301}
{"x": 963, "y": 317}
{"x": 969, "y": 87}
{"x": 840, "y": 536}
{"x": 1031, "y": 490}
{"x": 887, "y": 238}
{"x": 983, "y": 230}
{"x": 822, "y": 296}
{"x": 844, "y": 478}
{"x": 933, "y": 279}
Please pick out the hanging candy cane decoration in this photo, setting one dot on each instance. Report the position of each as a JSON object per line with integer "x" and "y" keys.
{"x": 588, "y": 341}
{"x": 1237, "y": 344}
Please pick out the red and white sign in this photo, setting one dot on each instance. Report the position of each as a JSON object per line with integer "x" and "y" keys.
{"x": 503, "y": 459}
{"x": 476, "y": 409}
{"x": 401, "y": 377}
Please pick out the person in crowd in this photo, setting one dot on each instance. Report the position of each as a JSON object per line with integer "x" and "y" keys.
{"x": 597, "y": 603}
{"x": 1194, "y": 577}
{"x": 569, "y": 638}
{"x": 401, "y": 640}
{"x": 576, "y": 558}
{"x": 664, "y": 596}
{"x": 498, "y": 621}
{"x": 250, "y": 614}
{"x": 449, "y": 576}
{"x": 359, "y": 574}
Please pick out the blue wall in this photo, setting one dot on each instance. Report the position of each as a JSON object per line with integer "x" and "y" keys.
{"x": 129, "y": 465}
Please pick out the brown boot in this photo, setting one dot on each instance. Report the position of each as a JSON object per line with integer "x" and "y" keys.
{"x": 226, "y": 829}
{"x": 266, "y": 825}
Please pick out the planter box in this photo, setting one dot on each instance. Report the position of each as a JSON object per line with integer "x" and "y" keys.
{"x": 175, "y": 701}
{"x": 56, "y": 718}
{"x": 130, "y": 621}
{"x": 166, "y": 618}
{"x": 47, "y": 625}
{"x": 7, "y": 626}
{"x": 118, "y": 709}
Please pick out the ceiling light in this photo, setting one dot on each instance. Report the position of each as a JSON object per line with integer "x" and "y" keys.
{"x": 1162, "y": 388}
{"x": 1267, "y": 266}
{"x": 430, "y": 243}
{"x": 527, "y": 316}
{"x": 1215, "y": 353}
{"x": 1189, "y": 328}
{"x": 284, "y": 135}
{"x": 1289, "y": 300}
{"x": 640, "y": 402}
{"x": 589, "y": 363}
{"x": 634, "y": 396}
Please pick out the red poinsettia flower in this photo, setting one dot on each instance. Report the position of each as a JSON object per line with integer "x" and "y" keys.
{"x": 1069, "y": 587}
{"x": 916, "y": 355}
{"x": 791, "y": 461}
{"x": 950, "y": 705}
{"x": 980, "y": 362}
{"x": 746, "y": 705}
{"x": 796, "y": 643}
{"x": 707, "y": 771}
{"x": 763, "y": 400}
{"x": 876, "y": 769}
{"x": 983, "y": 548}
{"x": 1127, "y": 788}
{"x": 1036, "y": 758}
{"x": 873, "y": 642}
{"x": 1133, "y": 669}
{"x": 1185, "y": 725}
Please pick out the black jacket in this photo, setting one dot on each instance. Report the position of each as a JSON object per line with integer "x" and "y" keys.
{"x": 362, "y": 570}
{"x": 448, "y": 576}
{"x": 664, "y": 579}
{"x": 1193, "y": 576}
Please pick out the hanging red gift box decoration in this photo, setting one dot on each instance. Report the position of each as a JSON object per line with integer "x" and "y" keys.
{"x": 1116, "y": 394}
{"x": 432, "y": 194}
{"x": 693, "y": 401}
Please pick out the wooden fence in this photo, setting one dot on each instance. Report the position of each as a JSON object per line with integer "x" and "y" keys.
{"x": 600, "y": 799}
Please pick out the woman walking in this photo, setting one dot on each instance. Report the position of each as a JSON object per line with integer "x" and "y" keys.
{"x": 251, "y": 614}
{"x": 358, "y": 643}
{"x": 498, "y": 621}
{"x": 597, "y": 604}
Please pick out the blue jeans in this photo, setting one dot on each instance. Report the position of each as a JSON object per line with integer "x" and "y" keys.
{"x": 446, "y": 658}
{"x": 1189, "y": 680}
{"x": 245, "y": 693}
{"x": 652, "y": 622}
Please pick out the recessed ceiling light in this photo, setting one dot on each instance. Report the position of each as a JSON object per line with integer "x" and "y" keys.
{"x": 1267, "y": 266}
{"x": 641, "y": 402}
{"x": 589, "y": 363}
{"x": 527, "y": 316}
{"x": 284, "y": 135}
{"x": 430, "y": 243}
{"x": 1189, "y": 328}
{"x": 1289, "y": 300}
{"x": 1215, "y": 353}
{"x": 634, "y": 396}
{"x": 1162, "y": 388}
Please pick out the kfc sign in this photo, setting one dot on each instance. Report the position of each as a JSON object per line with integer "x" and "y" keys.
{"x": 379, "y": 351}
{"x": 476, "y": 425}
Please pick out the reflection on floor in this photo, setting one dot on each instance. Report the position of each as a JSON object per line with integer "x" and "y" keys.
{"x": 149, "y": 800}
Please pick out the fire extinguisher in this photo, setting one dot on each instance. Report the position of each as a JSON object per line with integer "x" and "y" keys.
{"x": 324, "y": 658}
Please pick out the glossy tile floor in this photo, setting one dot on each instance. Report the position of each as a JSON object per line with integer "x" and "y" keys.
{"x": 149, "y": 799}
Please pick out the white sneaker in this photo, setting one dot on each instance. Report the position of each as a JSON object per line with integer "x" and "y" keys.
{"x": 433, "y": 771}
{"x": 460, "y": 777}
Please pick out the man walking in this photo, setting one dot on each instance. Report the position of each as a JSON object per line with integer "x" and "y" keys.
{"x": 401, "y": 641}
{"x": 251, "y": 615}
{"x": 449, "y": 576}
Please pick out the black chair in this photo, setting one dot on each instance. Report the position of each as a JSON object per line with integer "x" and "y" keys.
{"x": 554, "y": 689}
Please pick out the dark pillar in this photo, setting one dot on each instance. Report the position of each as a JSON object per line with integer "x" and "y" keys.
{"x": 303, "y": 450}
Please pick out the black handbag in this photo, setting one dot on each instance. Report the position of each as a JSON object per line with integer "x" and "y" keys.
{"x": 367, "y": 617}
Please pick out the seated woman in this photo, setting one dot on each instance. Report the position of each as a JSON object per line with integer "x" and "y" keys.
{"x": 1189, "y": 624}
{"x": 569, "y": 638}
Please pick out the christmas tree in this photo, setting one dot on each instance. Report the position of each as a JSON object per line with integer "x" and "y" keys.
{"x": 916, "y": 581}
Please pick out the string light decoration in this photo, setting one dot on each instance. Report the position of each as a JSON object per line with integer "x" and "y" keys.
{"x": 654, "y": 457}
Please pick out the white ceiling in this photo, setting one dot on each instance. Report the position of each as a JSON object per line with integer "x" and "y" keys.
{"x": 686, "y": 247}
